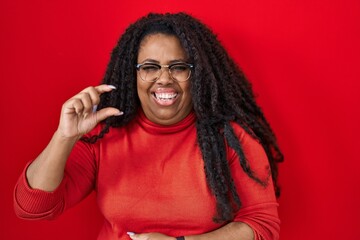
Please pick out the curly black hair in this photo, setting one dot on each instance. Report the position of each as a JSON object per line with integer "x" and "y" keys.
{"x": 220, "y": 92}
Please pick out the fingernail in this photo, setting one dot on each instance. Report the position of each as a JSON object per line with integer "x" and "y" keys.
{"x": 119, "y": 113}
{"x": 94, "y": 108}
{"x": 130, "y": 233}
{"x": 111, "y": 86}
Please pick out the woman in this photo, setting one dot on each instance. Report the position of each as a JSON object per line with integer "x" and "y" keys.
{"x": 189, "y": 156}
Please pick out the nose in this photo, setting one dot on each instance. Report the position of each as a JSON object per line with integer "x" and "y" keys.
{"x": 165, "y": 77}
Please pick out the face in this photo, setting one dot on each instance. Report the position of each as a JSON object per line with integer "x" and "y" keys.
{"x": 165, "y": 101}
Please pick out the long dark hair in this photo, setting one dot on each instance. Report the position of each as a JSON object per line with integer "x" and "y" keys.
{"x": 221, "y": 94}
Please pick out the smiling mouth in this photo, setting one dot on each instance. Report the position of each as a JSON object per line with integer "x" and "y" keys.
{"x": 165, "y": 96}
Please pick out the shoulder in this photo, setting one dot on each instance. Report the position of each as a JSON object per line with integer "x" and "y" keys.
{"x": 245, "y": 138}
{"x": 252, "y": 149}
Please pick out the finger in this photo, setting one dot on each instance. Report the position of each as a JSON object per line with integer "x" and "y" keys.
{"x": 87, "y": 103}
{"x": 104, "y": 88}
{"x": 95, "y": 92}
{"x": 131, "y": 234}
{"x": 136, "y": 236}
{"x": 107, "y": 112}
{"x": 94, "y": 96}
{"x": 76, "y": 105}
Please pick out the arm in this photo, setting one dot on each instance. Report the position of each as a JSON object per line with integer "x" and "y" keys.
{"x": 77, "y": 119}
{"x": 47, "y": 170}
{"x": 231, "y": 231}
{"x": 40, "y": 192}
{"x": 257, "y": 218}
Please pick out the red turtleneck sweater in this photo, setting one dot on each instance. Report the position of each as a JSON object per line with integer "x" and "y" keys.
{"x": 150, "y": 178}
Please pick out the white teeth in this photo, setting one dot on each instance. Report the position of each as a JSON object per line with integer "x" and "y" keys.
{"x": 165, "y": 96}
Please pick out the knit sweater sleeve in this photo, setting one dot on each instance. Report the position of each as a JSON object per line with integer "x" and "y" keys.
{"x": 259, "y": 205}
{"x": 78, "y": 182}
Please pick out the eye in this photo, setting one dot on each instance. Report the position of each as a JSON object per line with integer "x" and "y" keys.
{"x": 150, "y": 67}
{"x": 179, "y": 67}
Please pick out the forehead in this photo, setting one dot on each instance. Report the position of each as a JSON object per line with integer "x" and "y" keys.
{"x": 161, "y": 47}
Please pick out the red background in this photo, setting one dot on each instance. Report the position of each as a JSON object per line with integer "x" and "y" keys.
{"x": 303, "y": 60}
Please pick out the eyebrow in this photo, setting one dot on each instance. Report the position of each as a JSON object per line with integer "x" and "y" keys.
{"x": 149, "y": 60}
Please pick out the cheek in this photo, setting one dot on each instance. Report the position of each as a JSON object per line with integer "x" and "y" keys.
{"x": 141, "y": 87}
{"x": 142, "y": 91}
{"x": 187, "y": 93}
{"x": 185, "y": 87}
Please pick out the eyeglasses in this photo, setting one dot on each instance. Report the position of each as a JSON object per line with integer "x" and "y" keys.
{"x": 151, "y": 72}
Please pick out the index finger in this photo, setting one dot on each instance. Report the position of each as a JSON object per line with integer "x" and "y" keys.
{"x": 104, "y": 88}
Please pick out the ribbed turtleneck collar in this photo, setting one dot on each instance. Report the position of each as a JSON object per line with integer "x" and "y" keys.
{"x": 149, "y": 126}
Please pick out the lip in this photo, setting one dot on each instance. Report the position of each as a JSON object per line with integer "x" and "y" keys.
{"x": 164, "y": 90}
{"x": 165, "y": 102}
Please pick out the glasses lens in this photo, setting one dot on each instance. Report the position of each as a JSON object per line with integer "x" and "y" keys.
{"x": 180, "y": 72}
{"x": 149, "y": 72}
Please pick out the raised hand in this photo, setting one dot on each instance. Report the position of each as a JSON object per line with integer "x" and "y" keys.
{"x": 77, "y": 118}
{"x": 77, "y": 115}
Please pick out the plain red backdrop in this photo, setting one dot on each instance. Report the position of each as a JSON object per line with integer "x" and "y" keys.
{"x": 303, "y": 60}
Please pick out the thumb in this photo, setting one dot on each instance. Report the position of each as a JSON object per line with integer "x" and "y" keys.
{"x": 107, "y": 112}
{"x": 137, "y": 236}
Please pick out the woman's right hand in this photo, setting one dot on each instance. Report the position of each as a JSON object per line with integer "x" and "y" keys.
{"x": 77, "y": 115}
